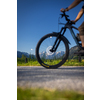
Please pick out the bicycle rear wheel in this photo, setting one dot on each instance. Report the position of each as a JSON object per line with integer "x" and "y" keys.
{"x": 48, "y": 59}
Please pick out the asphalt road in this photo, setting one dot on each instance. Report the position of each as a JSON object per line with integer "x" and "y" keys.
{"x": 63, "y": 78}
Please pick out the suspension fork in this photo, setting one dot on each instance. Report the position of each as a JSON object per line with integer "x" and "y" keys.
{"x": 57, "y": 41}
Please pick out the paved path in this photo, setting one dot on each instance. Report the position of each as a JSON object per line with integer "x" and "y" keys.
{"x": 70, "y": 78}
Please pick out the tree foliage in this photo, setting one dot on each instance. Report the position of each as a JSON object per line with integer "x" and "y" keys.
{"x": 22, "y": 59}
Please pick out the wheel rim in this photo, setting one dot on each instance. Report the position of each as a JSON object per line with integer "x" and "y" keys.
{"x": 51, "y": 58}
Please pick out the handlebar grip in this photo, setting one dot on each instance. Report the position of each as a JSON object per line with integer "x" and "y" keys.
{"x": 63, "y": 10}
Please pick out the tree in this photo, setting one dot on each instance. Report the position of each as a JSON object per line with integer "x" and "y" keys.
{"x": 33, "y": 57}
{"x": 23, "y": 56}
{"x": 29, "y": 57}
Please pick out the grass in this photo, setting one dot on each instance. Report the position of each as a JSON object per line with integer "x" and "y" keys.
{"x": 35, "y": 63}
{"x": 30, "y": 63}
{"x": 73, "y": 63}
{"x": 45, "y": 94}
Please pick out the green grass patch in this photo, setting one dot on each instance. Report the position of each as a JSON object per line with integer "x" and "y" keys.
{"x": 30, "y": 63}
{"x": 21, "y": 62}
{"x": 45, "y": 94}
{"x": 73, "y": 63}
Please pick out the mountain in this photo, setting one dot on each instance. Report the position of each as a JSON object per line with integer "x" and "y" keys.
{"x": 19, "y": 54}
{"x": 52, "y": 55}
{"x": 49, "y": 56}
{"x": 61, "y": 53}
{"x": 72, "y": 51}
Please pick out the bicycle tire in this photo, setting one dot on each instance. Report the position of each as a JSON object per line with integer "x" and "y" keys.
{"x": 65, "y": 56}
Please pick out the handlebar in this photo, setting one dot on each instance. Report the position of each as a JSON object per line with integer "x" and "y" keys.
{"x": 66, "y": 17}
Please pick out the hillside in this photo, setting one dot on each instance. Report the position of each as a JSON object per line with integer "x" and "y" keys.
{"x": 72, "y": 51}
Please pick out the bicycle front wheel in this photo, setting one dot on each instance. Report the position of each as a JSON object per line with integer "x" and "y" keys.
{"x": 48, "y": 59}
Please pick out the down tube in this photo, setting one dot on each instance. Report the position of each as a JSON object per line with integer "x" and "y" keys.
{"x": 73, "y": 35}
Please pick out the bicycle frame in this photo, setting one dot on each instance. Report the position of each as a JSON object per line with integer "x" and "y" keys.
{"x": 63, "y": 30}
{"x": 69, "y": 26}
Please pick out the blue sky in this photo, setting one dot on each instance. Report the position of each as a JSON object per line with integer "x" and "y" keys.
{"x": 36, "y": 18}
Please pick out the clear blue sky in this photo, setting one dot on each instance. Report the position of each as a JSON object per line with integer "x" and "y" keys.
{"x": 36, "y": 18}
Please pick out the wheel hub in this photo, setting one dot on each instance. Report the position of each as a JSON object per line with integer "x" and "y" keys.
{"x": 48, "y": 50}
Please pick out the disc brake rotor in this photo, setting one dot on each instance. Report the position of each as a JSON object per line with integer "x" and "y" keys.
{"x": 48, "y": 51}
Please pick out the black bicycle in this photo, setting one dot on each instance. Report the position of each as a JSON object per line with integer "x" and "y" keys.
{"x": 52, "y": 49}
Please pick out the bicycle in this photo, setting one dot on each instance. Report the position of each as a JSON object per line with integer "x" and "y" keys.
{"x": 52, "y": 50}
